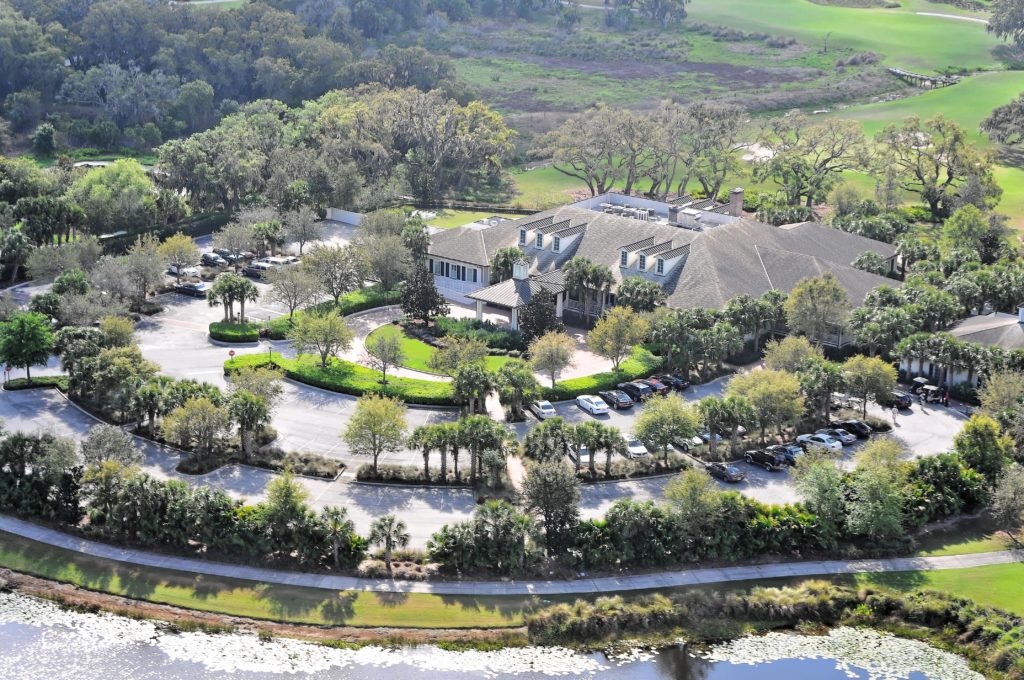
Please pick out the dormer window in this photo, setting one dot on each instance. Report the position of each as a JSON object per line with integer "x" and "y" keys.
{"x": 556, "y": 245}
{"x": 540, "y": 240}
{"x": 623, "y": 258}
{"x": 660, "y": 267}
{"x": 643, "y": 262}
{"x": 522, "y": 237}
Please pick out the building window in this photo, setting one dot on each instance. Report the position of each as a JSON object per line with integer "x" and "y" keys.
{"x": 643, "y": 262}
{"x": 474, "y": 274}
{"x": 430, "y": 265}
{"x": 557, "y": 244}
{"x": 447, "y": 270}
{"x": 522, "y": 237}
{"x": 623, "y": 258}
{"x": 661, "y": 266}
{"x": 540, "y": 240}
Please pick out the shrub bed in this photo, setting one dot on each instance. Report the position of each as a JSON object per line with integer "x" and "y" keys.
{"x": 59, "y": 382}
{"x": 404, "y": 474}
{"x": 490, "y": 334}
{"x": 349, "y": 378}
{"x": 234, "y": 332}
{"x": 352, "y": 303}
{"x": 641, "y": 467}
{"x": 299, "y": 462}
{"x": 642, "y": 364}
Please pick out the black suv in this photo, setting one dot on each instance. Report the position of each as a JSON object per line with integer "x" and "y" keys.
{"x": 769, "y": 461}
{"x": 636, "y": 391}
{"x": 616, "y": 398}
{"x": 898, "y": 399}
{"x": 673, "y": 381}
{"x": 855, "y": 427}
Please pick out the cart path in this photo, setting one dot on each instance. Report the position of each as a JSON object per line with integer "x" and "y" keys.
{"x": 667, "y": 579}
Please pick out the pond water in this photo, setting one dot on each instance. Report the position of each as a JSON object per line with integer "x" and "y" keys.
{"x": 40, "y": 641}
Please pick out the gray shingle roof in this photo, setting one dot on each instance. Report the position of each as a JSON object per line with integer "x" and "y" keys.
{"x": 514, "y": 292}
{"x": 997, "y": 329}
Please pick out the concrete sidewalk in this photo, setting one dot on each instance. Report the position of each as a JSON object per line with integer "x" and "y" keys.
{"x": 673, "y": 579}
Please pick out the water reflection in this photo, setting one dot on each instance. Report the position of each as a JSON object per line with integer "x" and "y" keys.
{"x": 39, "y": 641}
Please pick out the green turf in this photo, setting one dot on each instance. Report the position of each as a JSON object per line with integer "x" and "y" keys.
{"x": 974, "y": 535}
{"x": 418, "y": 353}
{"x": 899, "y": 36}
{"x": 997, "y": 585}
{"x": 449, "y": 219}
{"x": 236, "y": 597}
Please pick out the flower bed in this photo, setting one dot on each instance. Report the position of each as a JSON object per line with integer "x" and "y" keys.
{"x": 349, "y": 378}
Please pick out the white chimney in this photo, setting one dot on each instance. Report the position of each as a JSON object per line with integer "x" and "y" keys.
{"x": 521, "y": 270}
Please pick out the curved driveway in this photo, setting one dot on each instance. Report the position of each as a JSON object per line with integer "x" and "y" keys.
{"x": 669, "y": 579}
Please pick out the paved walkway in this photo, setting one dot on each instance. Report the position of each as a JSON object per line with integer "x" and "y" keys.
{"x": 673, "y": 579}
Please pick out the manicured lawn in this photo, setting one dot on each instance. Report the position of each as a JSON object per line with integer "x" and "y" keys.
{"x": 349, "y": 378}
{"x": 968, "y": 536}
{"x": 899, "y": 36}
{"x": 998, "y": 585}
{"x": 351, "y": 303}
{"x": 260, "y": 600}
{"x": 449, "y": 219}
{"x": 418, "y": 353}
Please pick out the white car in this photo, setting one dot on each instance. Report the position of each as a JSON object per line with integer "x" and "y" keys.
{"x": 823, "y": 440}
{"x": 183, "y": 271}
{"x": 543, "y": 410}
{"x": 634, "y": 447}
{"x": 592, "y": 404}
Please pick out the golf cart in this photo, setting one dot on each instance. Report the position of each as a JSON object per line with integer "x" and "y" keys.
{"x": 918, "y": 384}
{"x": 932, "y": 394}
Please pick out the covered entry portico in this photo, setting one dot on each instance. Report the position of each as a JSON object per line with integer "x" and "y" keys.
{"x": 515, "y": 293}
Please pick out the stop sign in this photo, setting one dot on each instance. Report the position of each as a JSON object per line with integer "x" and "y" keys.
{"x": 231, "y": 353}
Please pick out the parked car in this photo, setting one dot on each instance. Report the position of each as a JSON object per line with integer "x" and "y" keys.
{"x": 727, "y": 473}
{"x": 592, "y": 404}
{"x": 686, "y": 445}
{"x": 636, "y": 391}
{"x": 764, "y": 458}
{"x": 787, "y": 452}
{"x": 855, "y": 427}
{"x": 898, "y": 399}
{"x": 212, "y": 260}
{"x": 838, "y": 433}
{"x": 706, "y": 436}
{"x": 617, "y": 399}
{"x": 198, "y": 290}
{"x": 581, "y": 456}
{"x": 809, "y": 440}
{"x": 656, "y": 386}
{"x": 634, "y": 447}
{"x": 258, "y": 270}
{"x": 232, "y": 258}
{"x": 542, "y": 409}
{"x": 183, "y": 271}
{"x": 674, "y": 381}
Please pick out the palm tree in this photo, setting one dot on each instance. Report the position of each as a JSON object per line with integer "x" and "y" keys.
{"x": 577, "y": 272}
{"x": 600, "y": 279}
{"x": 737, "y": 412}
{"x": 338, "y": 529}
{"x": 428, "y": 438}
{"x": 153, "y": 400}
{"x": 251, "y": 413}
{"x": 245, "y": 290}
{"x": 389, "y": 532}
{"x": 715, "y": 416}
{"x": 478, "y": 434}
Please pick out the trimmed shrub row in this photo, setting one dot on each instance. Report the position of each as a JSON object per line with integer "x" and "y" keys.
{"x": 349, "y": 378}
{"x": 59, "y": 382}
{"x": 642, "y": 364}
{"x": 234, "y": 332}
{"x": 493, "y": 336}
{"x": 404, "y": 474}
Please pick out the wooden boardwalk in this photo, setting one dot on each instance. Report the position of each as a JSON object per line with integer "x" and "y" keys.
{"x": 925, "y": 81}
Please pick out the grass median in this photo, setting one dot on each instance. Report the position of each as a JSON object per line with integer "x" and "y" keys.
{"x": 417, "y": 354}
{"x": 236, "y": 597}
{"x": 349, "y": 378}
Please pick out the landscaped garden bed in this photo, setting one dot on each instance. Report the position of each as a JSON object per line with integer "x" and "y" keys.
{"x": 234, "y": 332}
{"x": 406, "y": 474}
{"x": 349, "y": 378}
{"x": 417, "y": 354}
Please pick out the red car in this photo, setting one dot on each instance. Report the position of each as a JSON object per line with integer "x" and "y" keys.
{"x": 656, "y": 385}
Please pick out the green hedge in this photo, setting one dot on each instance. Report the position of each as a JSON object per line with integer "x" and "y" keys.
{"x": 46, "y": 381}
{"x": 197, "y": 225}
{"x": 348, "y": 378}
{"x": 352, "y": 303}
{"x": 640, "y": 365}
{"x": 234, "y": 332}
